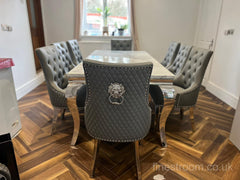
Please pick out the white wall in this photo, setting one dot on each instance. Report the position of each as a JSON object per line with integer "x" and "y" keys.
{"x": 58, "y": 20}
{"x": 159, "y": 22}
{"x": 18, "y": 45}
{"x": 224, "y": 80}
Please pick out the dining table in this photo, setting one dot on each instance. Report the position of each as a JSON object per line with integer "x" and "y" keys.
{"x": 160, "y": 75}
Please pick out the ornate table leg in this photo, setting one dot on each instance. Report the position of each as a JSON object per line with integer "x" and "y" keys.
{"x": 70, "y": 94}
{"x": 167, "y": 108}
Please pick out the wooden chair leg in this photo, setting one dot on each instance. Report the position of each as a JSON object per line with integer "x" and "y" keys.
{"x": 56, "y": 112}
{"x": 63, "y": 113}
{"x": 157, "y": 117}
{"x": 181, "y": 112}
{"x": 191, "y": 113}
{"x": 139, "y": 175}
{"x": 140, "y": 142}
{"x": 95, "y": 151}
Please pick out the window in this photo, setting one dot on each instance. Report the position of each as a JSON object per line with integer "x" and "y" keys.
{"x": 98, "y": 14}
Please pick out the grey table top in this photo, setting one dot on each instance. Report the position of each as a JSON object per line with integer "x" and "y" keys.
{"x": 159, "y": 72}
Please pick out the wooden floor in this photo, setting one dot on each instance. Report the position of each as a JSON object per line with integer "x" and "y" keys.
{"x": 205, "y": 154}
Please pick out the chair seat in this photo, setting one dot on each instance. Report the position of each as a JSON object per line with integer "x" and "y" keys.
{"x": 81, "y": 96}
{"x": 157, "y": 94}
{"x": 178, "y": 90}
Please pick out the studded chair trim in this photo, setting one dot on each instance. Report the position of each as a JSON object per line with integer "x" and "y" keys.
{"x": 64, "y": 54}
{"x": 180, "y": 59}
{"x": 74, "y": 51}
{"x": 121, "y": 45}
{"x": 122, "y": 122}
{"x": 171, "y": 54}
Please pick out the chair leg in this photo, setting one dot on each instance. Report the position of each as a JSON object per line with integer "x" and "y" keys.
{"x": 191, "y": 113}
{"x": 155, "y": 110}
{"x": 63, "y": 113}
{"x": 181, "y": 112}
{"x": 95, "y": 151}
{"x": 56, "y": 112}
{"x": 139, "y": 175}
{"x": 157, "y": 116}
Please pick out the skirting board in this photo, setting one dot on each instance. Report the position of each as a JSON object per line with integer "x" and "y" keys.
{"x": 234, "y": 142}
{"x": 235, "y": 133}
{"x": 221, "y": 93}
{"x": 30, "y": 85}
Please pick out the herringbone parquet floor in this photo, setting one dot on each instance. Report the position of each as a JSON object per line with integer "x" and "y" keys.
{"x": 204, "y": 154}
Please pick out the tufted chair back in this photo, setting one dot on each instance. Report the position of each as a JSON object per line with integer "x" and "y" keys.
{"x": 74, "y": 51}
{"x": 121, "y": 45}
{"x": 171, "y": 54}
{"x": 64, "y": 54}
{"x": 194, "y": 69}
{"x": 116, "y": 107}
{"x": 54, "y": 71}
{"x": 180, "y": 60}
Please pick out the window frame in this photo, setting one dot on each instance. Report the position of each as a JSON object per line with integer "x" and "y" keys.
{"x": 104, "y": 37}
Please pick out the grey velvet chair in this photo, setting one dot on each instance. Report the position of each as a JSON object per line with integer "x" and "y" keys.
{"x": 171, "y": 54}
{"x": 74, "y": 51}
{"x": 180, "y": 59}
{"x": 64, "y": 54}
{"x": 55, "y": 67}
{"x": 187, "y": 83}
{"x": 121, "y": 44}
{"x": 117, "y": 103}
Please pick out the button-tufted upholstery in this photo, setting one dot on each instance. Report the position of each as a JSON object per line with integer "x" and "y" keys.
{"x": 121, "y": 44}
{"x": 188, "y": 81}
{"x": 191, "y": 76}
{"x": 64, "y": 54}
{"x": 74, "y": 51}
{"x": 54, "y": 69}
{"x": 171, "y": 54}
{"x": 180, "y": 60}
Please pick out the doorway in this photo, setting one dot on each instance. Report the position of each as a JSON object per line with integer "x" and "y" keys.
{"x": 207, "y": 28}
{"x": 36, "y": 26}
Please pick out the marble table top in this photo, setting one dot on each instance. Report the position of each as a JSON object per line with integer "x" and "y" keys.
{"x": 159, "y": 72}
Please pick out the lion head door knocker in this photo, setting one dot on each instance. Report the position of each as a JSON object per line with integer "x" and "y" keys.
{"x": 116, "y": 91}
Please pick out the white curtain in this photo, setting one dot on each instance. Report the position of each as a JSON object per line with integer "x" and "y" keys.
{"x": 78, "y": 18}
{"x": 133, "y": 25}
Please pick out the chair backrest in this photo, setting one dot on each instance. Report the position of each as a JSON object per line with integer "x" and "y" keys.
{"x": 121, "y": 44}
{"x": 171, "y": 54}
{"x": 74, "y": 51}
{"x": 194, "y": 69}
{"x": 54, "y": 71}
{"x": 64, "y": 54}
{"x": 180, "y": 60}
{"x": 116, "y": 107}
